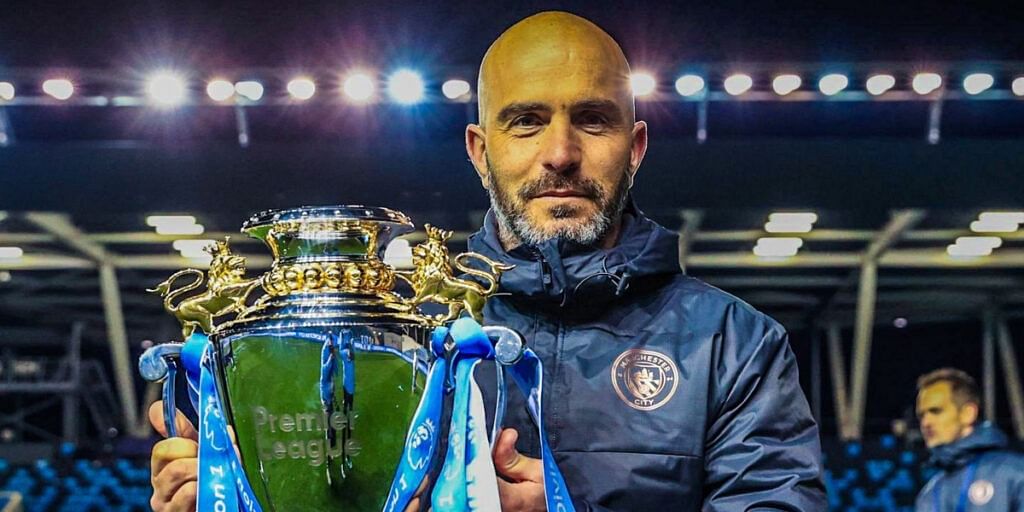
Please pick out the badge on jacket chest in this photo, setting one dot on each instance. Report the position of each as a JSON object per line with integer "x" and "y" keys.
{"x": 644, "y": 379}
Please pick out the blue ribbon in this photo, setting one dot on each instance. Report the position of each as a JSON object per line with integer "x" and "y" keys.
{"x": 221, "y": 483}
{"x": 467, "y": 480}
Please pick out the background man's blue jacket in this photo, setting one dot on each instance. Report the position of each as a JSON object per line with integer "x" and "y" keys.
{"x": 735, "y": 435}
{"x": 998, "y": 481}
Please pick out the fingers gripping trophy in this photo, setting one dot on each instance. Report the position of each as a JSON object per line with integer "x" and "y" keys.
{"x": 332, "y": 382}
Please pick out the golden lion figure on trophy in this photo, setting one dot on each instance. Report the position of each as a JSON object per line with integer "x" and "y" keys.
{"x": 226, "y": 290}
{"x": 434, "y": 281}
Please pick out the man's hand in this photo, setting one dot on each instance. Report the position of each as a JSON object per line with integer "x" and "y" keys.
{"x": 174, "y": 464}
{"x": 521, "y": 487}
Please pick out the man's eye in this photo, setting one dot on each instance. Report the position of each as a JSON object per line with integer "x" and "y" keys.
{"x": 593, "y": 119}
{"x": 525, "y": 122}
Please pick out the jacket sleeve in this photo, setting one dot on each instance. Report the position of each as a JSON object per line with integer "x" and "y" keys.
{"x": 762, "y": 450}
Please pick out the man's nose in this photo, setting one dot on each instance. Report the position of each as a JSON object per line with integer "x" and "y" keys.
{"x": 561, "y": 150}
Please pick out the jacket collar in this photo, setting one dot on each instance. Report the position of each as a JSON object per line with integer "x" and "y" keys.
{"x": 565, "y": 273}
{"x": 985, "y": 437}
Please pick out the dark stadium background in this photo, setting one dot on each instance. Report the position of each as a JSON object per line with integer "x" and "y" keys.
{"x": 851, "y": 162}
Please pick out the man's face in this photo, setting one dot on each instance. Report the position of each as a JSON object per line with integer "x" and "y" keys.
{"x": 558, "y": 146}
{"x": 942, "y": 421}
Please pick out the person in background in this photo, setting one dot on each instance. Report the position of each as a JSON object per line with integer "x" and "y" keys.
{"x": 976, "y": 469}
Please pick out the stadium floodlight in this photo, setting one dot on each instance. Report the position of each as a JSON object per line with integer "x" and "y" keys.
{"x": 689, "y": 85}
{"x": 59, "y": 88}
{"x": 6, "y": 91}
{"x": 833, "y": 83}
{"x": 220, "y": 90}
{"x": 977, "y": 83}
{"x": 192, "y": 248}
{"x": 166, "y": 88}
{"x": 785, "y": 84}
{"x": 926, "y": 83}
{"x": 778, "y": 247}
{"x": 183, "y": 229}
{"x": 791, "y": 222}
{"x": 960, "y": 251}
{"x": 980, "y": 226}
{"x": 399, "y": 254}
{"x": 249, "y": 89}
{"x": 979, "y": 242}
{"x": 1017, "y": 217}
{"x": 878, "y": 84}
{"x": 11, "y": 253}
{"x": 738, "y": 84}
{"x": 643, "y": 84}
{"x": 1017, "y": 86}
{"x": 405, "y": 87}
{"x": 358, "y": 87}
{"x": 169, "y": 220}
{"x": 455, "y": 89}
{"x": 301, "y": 88}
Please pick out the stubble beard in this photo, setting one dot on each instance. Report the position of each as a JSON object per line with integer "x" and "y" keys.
{"x": 510, "y": 208}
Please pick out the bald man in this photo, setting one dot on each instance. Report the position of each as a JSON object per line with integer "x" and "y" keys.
{"x": 659, "y": 389}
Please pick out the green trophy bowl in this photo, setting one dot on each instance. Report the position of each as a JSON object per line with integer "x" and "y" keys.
{"x": 321, "y": 373}
{"x": 316, "y": 436}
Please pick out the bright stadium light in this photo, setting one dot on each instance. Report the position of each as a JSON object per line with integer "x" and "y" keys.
{"x": 399, "y": 254}
{"x": 791, "y": 222}
{"x": 1017, "y": 217}
{"x": 59, "y": 88}
{"x": 777, "y": 247}
{"x": 977, "y": 83}
{"x": 166, "y": 89}
{"x": 926, "y": 83}
{"x": 689, "y": 85}
{"x": 184, "y": 229}
{"x": 169, "y": 220}
{"x": 959, "y": 251}
{"x": 6, "y": 91}
{"x": 220, "y": 90}
{"x": 301, "y": 88}
{"x": 11, "y": 253}
{"x": 1017, "y": 86}
{"x": 192, "y": 248}
{"x": 249, "y": 89}
{"x": 833, "y": 83}
{"x": 358, "y": 87}
{"x": 998, "y": 222}
{"x": 643, "y": 84}
{"x": 406, "y": 87}
{"x": 738, "y": 84}
{"x": 455, "y": 89}
{"x": 979, "y": 242}
{"x": 878, "y": 84}
{"x": 785, "y": 84}
{"x": 980, "y": 226}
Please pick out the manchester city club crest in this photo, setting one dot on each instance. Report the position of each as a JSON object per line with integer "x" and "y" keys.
{"x": 644, "y": 379}
{"x": 981, "y": 492}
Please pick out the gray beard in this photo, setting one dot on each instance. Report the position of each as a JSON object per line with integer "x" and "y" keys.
{"x": 510, "y": 212}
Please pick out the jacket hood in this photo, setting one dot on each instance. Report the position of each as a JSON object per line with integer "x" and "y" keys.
{"x": 561, "y": 272}
{"x": 985, "y": 437}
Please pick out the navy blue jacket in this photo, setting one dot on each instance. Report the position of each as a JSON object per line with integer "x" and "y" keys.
{"x": 997, "y": 483}
{"x": 660, "y": 392}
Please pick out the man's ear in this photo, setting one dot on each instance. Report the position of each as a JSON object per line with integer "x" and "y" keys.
{"x": 476, "y": 148}
{"x": 969, "y": 413}
{"x": 637, "y": 150}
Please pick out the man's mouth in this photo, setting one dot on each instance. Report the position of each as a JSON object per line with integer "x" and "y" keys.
{"x": 561, "y": 193}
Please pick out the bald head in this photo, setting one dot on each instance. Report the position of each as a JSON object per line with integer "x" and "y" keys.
{"x": 545, "y": 47}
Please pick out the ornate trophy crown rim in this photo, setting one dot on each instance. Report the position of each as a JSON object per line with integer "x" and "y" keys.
{"x": 401, "y": 223}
